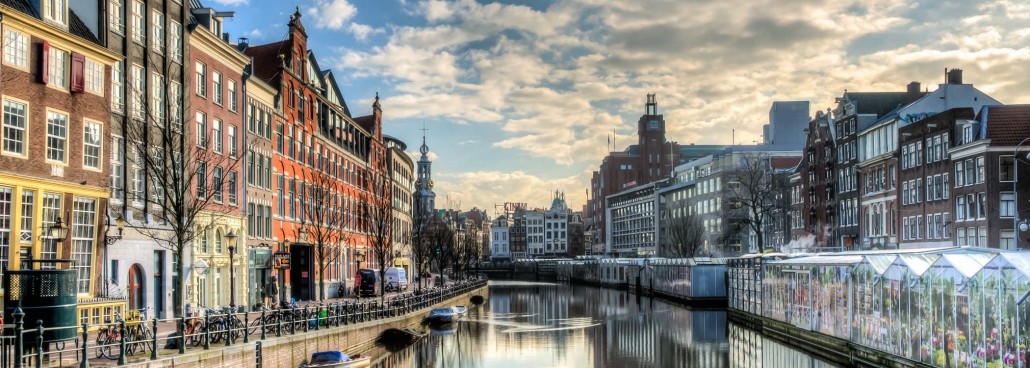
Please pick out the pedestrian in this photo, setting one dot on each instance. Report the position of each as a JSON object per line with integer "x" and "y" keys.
{"x": 272, "y": 292}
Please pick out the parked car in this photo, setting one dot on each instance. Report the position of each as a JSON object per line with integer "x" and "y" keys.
{"x": 368, "y": 282}
{"x": 396, "y": 278}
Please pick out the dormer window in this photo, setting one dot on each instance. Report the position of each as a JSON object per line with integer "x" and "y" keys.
{"x": 56, "y": 11}
{"x": 967, "y": 133}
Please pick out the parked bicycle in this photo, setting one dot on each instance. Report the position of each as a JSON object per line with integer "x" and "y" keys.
{"x": 110, "y": 335}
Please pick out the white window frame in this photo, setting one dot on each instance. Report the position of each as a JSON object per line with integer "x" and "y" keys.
{"x": 139, "y": 14}
{"x": 216, "y": 135}
{"x": 94, "y": 77}
{"x": 63, "y": 140}
{"x": 157, "y": 25}
{"x": 216, "y": 87}
{"x": 118, "y": 86}
{"x": 157, "y": 97}
{"x": 16, "y": 48}
{"x": 56, "y": 11}
{"x": 200, "y": 80}
{"x": 87, "y": 146}
{"x": 57, "y": 68}
{"x": 176, "y": 51}
{"x": 24, "y": 128}
{"x": 201, "y": 123}
{"x": 233, "y": 145}
{"x": 117, "y": 166}
{"x": 116, "y": 8}
{"x": 233, "y": 97}
{"x": 138, "y": 81}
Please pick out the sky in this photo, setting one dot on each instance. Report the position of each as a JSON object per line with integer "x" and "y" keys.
{"x": 521, "y": 97}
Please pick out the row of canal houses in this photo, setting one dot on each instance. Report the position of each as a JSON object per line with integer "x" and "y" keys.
{"x": 108, "y": 105}
{"x": 912, "y": 169}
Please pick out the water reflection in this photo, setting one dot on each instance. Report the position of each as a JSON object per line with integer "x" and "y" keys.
{"x": 555, "y": 325}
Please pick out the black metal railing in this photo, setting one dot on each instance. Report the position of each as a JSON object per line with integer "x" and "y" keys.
{"x": 23, "y": 344}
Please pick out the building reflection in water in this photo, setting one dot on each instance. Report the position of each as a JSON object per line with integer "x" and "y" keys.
{"x": 750, "y": 349}
{"x": 555, "y": 325}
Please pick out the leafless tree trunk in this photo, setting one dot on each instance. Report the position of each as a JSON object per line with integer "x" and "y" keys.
{"x": 754, "y": 189}
{"x": 421, "y": 246}
{"x": 377, "y": 215}
{"x": 323, "y": 222}
{"x": 175, "y": 175}
{"x": 684, "y": 236}
{"x": 441, "y": 241}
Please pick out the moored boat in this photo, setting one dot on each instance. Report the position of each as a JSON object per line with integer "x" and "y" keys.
{"x": 442, "y": 315}
{"x": 337, "y": 359}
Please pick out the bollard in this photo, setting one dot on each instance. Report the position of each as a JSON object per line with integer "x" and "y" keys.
{"x": 121, "y": 341}
{"x": 263, "y": 320}
{"x": 229, "y": 333}
{"x": 293, "y": 320}
{"x": 279, "y": 322}
{"x": 318, "y": 314}
{"x": 307, "y": 320}
{"x": 19, "y": 338}
{"x": 84, "y": 361}
{"x": 207, "y": 332}
{"x": 39, "y": 343}
{"x": 153, "y": 350}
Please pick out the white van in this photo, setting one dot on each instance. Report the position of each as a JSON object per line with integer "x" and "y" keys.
{"x": 396, "y": 279}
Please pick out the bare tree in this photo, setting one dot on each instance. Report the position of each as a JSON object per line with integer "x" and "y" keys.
{"x": 684, "y": 236}
{"x": 323, "y": 222}
{"x": 178, "y": 175}
{"x": 754, "y": 188}
{"x": 441, "y": 243}
{"x": 421, "y": 246}
{"x": 377, "y": 214}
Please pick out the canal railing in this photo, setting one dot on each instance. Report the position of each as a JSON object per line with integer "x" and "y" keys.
{"x": 23, "y": 344}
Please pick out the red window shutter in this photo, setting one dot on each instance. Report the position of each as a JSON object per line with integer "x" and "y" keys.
{"x": 44, "y": 56}
{"x": 78, "y": 73}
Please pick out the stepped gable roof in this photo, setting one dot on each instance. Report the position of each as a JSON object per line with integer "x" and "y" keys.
{"x": 1007, "y": 125}
{"x": 880, "y": 103}
{"x": 75, "y": 25}
{"x": 266, "y": 61}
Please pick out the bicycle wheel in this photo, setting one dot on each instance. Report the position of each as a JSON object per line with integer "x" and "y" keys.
{"x": 238, "y": 328}
{"x": 102, "y": 341}
{"x": 194, "y": 336}
{"x": 254, "y": 326}
{"x": 145, "y": 340}
{"x": 216, "y": 331}
{"x": 130, "y": 346}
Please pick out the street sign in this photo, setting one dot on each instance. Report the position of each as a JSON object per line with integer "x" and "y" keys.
{"x": 281, "y": 260}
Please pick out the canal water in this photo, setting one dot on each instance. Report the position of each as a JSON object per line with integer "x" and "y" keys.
{"x": 529, "y": 324}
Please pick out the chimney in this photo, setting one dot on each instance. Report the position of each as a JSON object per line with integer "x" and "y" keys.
{"x": 913, "y": 90}
{"x": 242, "y": 44}
{"x": 225, "y": 37}
{"x": 954, "y": 76}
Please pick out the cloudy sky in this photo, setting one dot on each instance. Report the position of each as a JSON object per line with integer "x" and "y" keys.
{"x": 520, "y": 96}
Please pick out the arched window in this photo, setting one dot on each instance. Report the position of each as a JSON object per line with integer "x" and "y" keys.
{"x": 218, "y": 241}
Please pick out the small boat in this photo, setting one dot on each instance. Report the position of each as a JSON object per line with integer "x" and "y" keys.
{"x": 336, "y": 359}
{"x": 460, "y": 310}
{"x": 442, "y": 315}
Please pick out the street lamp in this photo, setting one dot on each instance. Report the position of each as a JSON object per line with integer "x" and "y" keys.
{"x": 56, "y": 234}
{"x": 120, "y": 223}
{"x": 231, "y": 238}
{"x": 358, "y": 257}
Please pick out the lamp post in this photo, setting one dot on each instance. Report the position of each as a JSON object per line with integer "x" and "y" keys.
{"x": 120, "y": 224}
{"x": 231, "y": 237}
{"x": 1017, "y": 225}
{"x": 358, "y": 257}
{"x": 56, "y": 234}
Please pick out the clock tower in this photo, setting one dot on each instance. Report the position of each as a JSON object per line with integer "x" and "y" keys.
{"x": 424, "y": 198}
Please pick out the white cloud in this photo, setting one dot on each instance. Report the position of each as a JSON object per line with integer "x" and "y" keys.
{"x": 362, "y": 31}
{"x": 555, "y": 82}
{"x": 232, "y": 2}
{"x": 331, "y": 14}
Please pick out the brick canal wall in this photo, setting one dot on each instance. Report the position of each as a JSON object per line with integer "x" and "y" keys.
{"x": 290, "y": 350}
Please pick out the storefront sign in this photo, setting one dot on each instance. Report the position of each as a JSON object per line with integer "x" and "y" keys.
{"x": 281, "y": 260}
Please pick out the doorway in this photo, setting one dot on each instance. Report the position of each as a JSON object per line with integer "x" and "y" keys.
{"x": 134, "y": 287}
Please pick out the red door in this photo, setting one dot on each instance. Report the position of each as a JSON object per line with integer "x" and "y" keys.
{"x": 134, "y": 287}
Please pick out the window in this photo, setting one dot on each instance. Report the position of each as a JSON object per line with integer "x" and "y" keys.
{"x": 201, "y": 129}
{"x": 1007, "y": 239}
{"x": 960, "y": 208}
{"x": 15, "y": 123}
{"x": 983, "y": 236}
{"x": 117, "y": 162}
{"x": 1005, "y": 172}
{"x": 279, "y": 143}
{"x": 57, "y": 67}
{"x": 959, "y": 176}
{"x": 6, "y": 209}
{"x": 139, "y": 11}
{"x": 216, "y": 87}
{"x": 282, "y": 197}
{"x": 176, "y": 44}
{"x": 158, "y": 27}
{"x": 1007, "y": 206}
{"x": 175, "y": 99}
{"x": 981, "y": 201}
{"x": 216, "y": 134}
{"x": 232, "y": 141}
{"x": 201, "y": 81}
{"x": 83, "y": 233}
{"x": 204, "y": 241}
{"x": 28, "y": 201}
{"x": 94, "y": 77}
{"x": 57, "y": 136}
{"x": 216, "y": 184}
{"x": 57, "y": 11}
{"x": 91, "y": 135}
{"x": 980, "y": 169}
{"x": 232, "y": 184}
{"x": 960, "y": 235}
{"x": 157, "y": 97}
{"x": 136, "y": 94}
{"x": 202, "y": 180}
{"x": 137, "y": 178}
{"x": 16, "y": 48}
{"x": 233, "y": 98}
{"x": 118, "y": 86}
{"x": 117, "y": 21}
